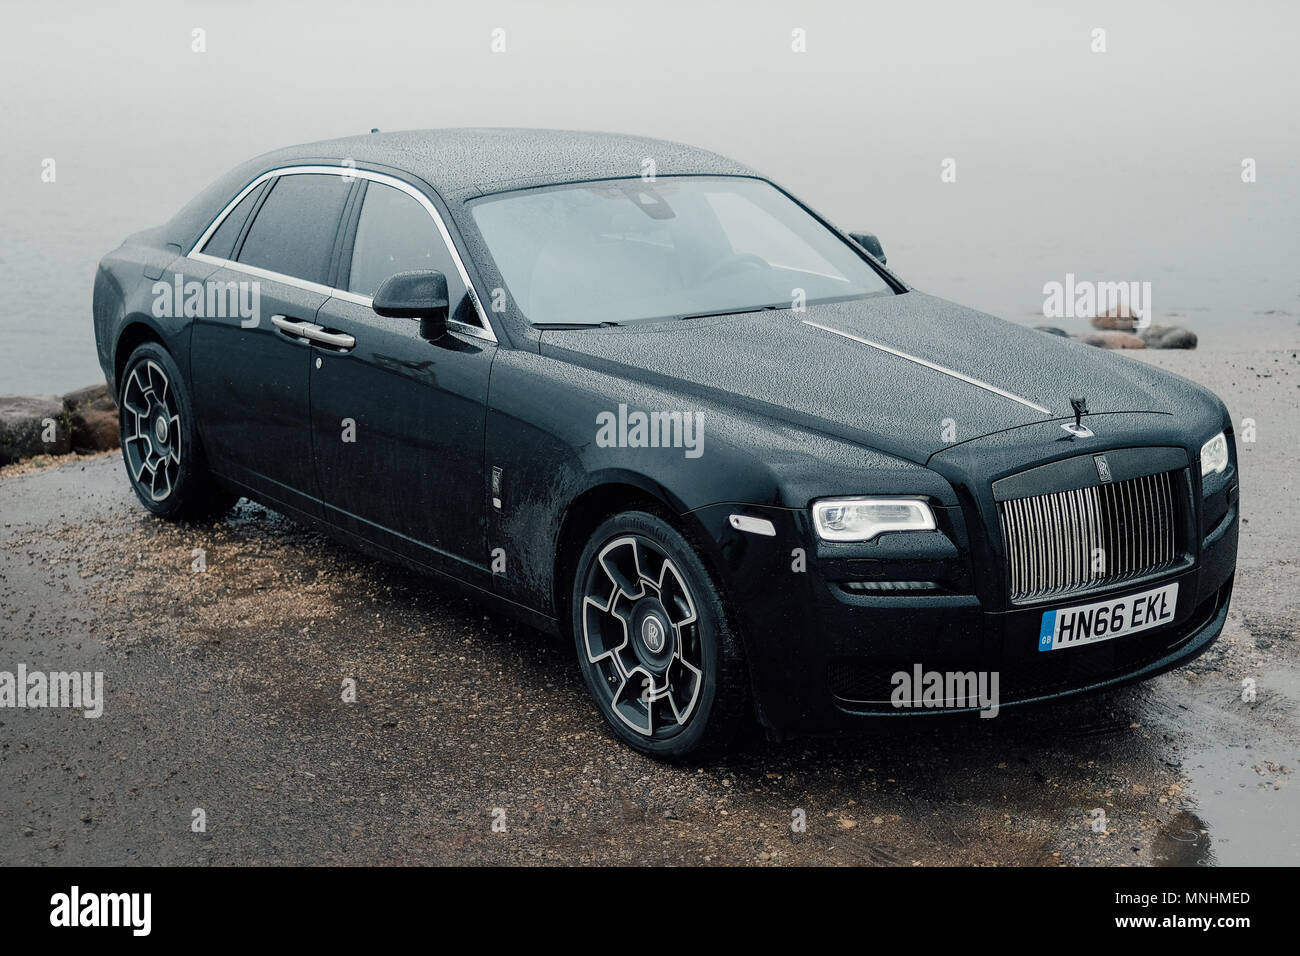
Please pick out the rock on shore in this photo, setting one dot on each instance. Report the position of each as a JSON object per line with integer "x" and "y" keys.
{"x": 92, "y": 418}
{"x": 1119, "y": 326}
{"x": 1113, "y": 340}
{"x": 1117, "y": 319}
{"x": 1119, "y": 329}
{"x": 1168, "y": 337}
{"x": 30, "y": 425}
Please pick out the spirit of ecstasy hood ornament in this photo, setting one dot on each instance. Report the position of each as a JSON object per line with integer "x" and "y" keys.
{"x": 1077, "y": 428}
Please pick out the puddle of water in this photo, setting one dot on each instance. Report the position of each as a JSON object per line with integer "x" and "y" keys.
{"x": 1183, "y": 841}
{"x": 1246, "y": 807}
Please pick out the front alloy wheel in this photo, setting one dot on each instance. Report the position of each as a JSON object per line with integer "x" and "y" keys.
{"x": 653, "y": 640}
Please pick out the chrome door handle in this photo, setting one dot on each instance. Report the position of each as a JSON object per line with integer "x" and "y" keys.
{"x": 309, "y": 330}
{"x": 296, "y": 326}
{"x": 339, "y": 340}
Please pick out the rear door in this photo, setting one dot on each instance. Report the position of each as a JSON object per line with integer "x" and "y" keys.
{"x": 398, "y": 418}
{"x": 251, "y": 371}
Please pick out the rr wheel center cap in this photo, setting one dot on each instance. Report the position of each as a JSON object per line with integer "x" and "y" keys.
{"x": 652, "y": 632}
{"x": 652, "y": 635}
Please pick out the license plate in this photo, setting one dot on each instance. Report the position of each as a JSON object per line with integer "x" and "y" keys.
{"x": 1090, "y": 623}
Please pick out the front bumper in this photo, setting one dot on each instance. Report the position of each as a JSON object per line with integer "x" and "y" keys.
{"x": 822, "y": 656}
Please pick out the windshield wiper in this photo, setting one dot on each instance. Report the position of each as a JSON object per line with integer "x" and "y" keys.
{"x": 753, "y": 308}
{"x": 576, "y": 325}
{"x": 689, "y": 315}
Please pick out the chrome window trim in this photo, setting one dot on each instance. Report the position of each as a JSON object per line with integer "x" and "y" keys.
{"x": 482, "y": 331}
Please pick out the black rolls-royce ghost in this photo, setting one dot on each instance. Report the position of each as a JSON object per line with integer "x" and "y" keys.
{"x": 634, "y": 392}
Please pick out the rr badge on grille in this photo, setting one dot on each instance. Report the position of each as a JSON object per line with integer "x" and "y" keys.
{"x": 1103, "y": 467}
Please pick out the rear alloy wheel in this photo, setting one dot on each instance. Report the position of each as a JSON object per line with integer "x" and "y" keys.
{"x": 151, "y": 431}
{"x": 159, "y": 446}
{"x": 653, "y": 639}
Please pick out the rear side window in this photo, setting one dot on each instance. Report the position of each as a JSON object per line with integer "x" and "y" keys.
{"x": 222, "y": 243}
{"x": 394, "y": 234}
{"x": 294, "y": 231}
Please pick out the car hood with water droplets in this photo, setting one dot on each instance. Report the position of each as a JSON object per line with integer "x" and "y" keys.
{"x": 909, "y": 374}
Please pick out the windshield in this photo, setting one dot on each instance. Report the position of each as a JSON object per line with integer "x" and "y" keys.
{"x": 629, "y": 250}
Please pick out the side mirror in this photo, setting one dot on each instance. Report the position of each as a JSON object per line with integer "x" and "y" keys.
{"x": 413, "y": 295}
{"x": 869, "y": 242}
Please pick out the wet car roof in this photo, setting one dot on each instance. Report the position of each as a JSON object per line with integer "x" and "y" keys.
{"x": 463, "y": 163}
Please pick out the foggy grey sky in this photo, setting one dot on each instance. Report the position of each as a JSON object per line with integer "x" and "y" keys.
{"x": 1121, "y": 165}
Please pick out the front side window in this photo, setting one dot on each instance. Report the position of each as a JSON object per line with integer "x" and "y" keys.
{"x": 394, "y": 234}
{"x": 631, "y": 250}
{"x": 294, "y": 231}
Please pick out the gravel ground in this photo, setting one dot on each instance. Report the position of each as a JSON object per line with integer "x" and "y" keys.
{"x": 471, "y": 739}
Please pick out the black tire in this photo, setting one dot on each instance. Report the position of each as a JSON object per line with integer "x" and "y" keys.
{"x": 675, "y": 712}
{"x": 160, "y": 447}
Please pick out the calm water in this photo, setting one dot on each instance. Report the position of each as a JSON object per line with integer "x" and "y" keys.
{"x": 1116, "y": 166}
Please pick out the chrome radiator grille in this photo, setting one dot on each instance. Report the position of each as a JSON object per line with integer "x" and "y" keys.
{"x": 1077, "y": 540}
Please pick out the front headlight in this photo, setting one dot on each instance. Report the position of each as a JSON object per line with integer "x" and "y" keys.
{"x": 861, "y": 519}
{"x": 1214, "y": 455}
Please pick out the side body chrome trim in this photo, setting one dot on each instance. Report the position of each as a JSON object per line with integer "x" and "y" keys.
{"x": 752, "y": 525}
{"x": 931, "y": 365}
{"x": 482, "y": 331}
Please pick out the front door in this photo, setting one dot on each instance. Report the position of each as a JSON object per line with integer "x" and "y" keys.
{"x": 398, "y": 419}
